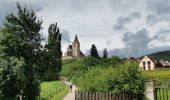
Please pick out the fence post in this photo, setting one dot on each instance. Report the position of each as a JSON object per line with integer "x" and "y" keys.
{"x": 75, "y": 95}
{"x": 149, "y": 91}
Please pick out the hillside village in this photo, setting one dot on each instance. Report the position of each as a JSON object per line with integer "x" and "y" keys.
{"x": 34, "y": 68}
{"x": 146, "y": 63}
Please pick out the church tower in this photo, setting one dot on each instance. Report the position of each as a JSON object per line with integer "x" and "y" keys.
{"x": 73, "y": 51}
{"x": 76, "y": 47}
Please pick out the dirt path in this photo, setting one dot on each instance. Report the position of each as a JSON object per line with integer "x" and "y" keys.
{"x": 70, "y": 95}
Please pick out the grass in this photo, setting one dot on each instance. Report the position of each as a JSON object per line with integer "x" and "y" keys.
{"x": 163, "y": 74}
{"x": 55, "y": 90}
{"x": 72, "y": 67}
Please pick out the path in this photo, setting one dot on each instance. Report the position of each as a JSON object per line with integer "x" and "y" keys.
{"x": 70, "y": 95}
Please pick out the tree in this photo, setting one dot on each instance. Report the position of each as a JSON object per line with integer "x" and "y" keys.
{"x": 94, "y": 52}
{"x": 11, "y": 77}
{"x": 105, "y": 53}
{"x": 54, "y": 51}
{"x": 22, "y": 39}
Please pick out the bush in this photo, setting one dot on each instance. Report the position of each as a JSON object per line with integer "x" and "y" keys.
{"x": 120, "y": 79}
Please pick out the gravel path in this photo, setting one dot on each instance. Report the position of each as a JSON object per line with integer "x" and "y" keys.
{"x": 70, "y": 95}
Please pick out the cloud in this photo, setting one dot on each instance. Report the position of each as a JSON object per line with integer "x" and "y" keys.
{"x": 151, "y": 19}
{"x": 9, "y": 6}
{"x": 140, "y": 22}
{"x": 122, "y": 21}
{"x": 66, "y": 36}
{"x": 138, "y": 44}
{"x": 160, "y": 7}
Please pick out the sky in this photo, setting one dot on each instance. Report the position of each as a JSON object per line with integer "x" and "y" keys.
{"x": 125, "y": 27}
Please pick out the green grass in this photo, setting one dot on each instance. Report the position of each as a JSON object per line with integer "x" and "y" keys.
{"x": 157, "y": 74}
{"x": 72, "y": 67}
{"x": 55, "y": 90}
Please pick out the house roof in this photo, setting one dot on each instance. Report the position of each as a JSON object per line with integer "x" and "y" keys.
{"x": 152, "y": 59}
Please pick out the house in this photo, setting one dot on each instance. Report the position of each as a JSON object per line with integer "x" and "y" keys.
{"x": 73, "y": 51}
{"x": 165, "y": 63}
{"x": 148, "y": 63}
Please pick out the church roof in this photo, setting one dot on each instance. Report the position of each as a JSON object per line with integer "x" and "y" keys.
{"x": 76, "y": 40}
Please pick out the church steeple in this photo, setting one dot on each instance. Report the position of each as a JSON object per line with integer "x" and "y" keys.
{"x": 76, "y": 39}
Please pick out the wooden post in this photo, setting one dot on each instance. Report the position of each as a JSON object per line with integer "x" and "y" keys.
{"x": 20, "y": 97}
{"x": 106, "y": 96}
{"x": 90, "y": 96}
{"x": 75, "y": 95}
{"x": 97, "y": 98}
{"x": 110, "y": 96}
{"x": 93, "y": 95}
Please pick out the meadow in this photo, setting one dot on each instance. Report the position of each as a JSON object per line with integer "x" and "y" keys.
{"x": 53, "y": 90}
{"x": 159, "y": 74}
{"x": 115, "y": 78}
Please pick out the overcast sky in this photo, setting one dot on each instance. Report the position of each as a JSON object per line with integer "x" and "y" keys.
{"x": 125, "y": 27}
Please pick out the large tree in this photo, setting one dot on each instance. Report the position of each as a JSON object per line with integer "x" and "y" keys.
{"x": 94, "y": 52}
{"x": 54, "y": 51}
{"x": 105, "y": 53}
{"x": 22, "y": 39}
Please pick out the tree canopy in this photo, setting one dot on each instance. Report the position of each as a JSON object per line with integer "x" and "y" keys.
{"x": 21, "y": 42}
{"x": 54, "y": 51}
{"x": 94, "y": 52}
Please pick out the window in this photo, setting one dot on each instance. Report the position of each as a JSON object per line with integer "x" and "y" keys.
{"x": 149, "y": 65}
{"x": 143, "y": 65}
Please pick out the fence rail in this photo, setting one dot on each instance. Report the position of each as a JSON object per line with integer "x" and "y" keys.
{"x": 104, "y": 96}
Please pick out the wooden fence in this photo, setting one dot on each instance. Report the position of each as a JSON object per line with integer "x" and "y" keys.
{"x": 104, "y": 96}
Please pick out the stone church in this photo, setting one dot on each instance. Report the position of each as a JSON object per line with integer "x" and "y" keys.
{"x": 73, "y": 51}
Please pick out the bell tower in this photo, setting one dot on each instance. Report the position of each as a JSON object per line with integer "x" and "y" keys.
{"x": 76, "y": 47}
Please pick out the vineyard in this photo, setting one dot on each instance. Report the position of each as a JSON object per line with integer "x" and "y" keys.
{"x": 162, "y": 74}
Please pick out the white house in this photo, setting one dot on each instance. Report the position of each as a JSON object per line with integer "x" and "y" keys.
{"x": 148, "y": 63}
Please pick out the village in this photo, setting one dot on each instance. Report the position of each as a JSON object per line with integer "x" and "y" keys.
{"x": 145, "y": 63}
{"x": 121, "y": 50}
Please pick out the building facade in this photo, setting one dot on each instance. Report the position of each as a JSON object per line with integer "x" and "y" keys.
{"x": 73, "y": 51}
{"x": 148, "y": 63}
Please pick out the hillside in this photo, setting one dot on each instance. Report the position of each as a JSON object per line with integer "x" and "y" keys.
{"x": 165, "y": 55}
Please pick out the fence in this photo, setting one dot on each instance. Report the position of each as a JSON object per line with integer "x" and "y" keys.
{"x": 105, "y": 96}
{"x": 162, "y": 93}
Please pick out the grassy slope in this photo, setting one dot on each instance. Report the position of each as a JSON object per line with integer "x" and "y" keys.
{"x": 157, "y": 74}
{"x": 56, "y": 89}
{"x": 73, "y": 66}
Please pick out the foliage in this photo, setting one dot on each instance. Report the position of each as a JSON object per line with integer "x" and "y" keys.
{"x": 11, "y": 77}
{"x": 73, "y": 68}
{"x": 120, "y": 79}
{"x": 54, "y": 52}
{"x": 114, "y": 60}
{"x": 91, "y": 61}
{"x": 22, "y": 40}
{"x": 94, "y": 52}
{"x": 56, "y": 89}
{"x": 105, "y": 53}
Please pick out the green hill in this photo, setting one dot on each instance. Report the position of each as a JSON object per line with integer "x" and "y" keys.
{"x": 165, "y": 55}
